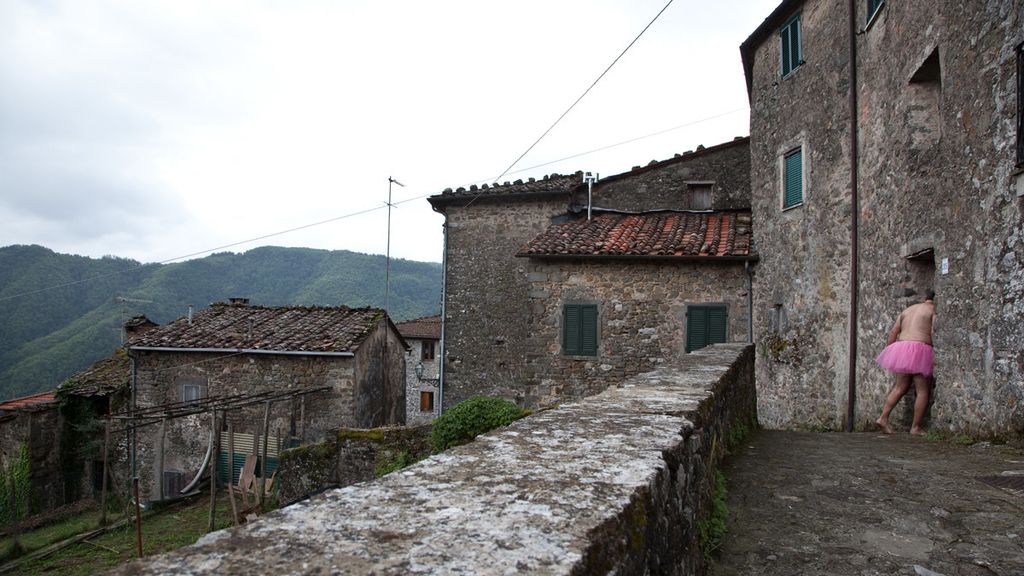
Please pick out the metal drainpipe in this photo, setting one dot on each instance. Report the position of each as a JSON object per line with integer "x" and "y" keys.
{"x": 854, "y": 220}
{"x": 444, "y": 322}
{"x": 134, "y": 432}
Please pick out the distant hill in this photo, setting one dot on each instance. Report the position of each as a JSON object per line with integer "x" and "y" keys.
{"x": 48, "y": 335}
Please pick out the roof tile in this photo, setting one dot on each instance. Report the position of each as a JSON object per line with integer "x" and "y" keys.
{"x": 684, "y": 234}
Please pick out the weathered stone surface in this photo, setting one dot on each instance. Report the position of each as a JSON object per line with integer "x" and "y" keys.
{"x": 936, "y": 89}
{"x": 615, "y": 483}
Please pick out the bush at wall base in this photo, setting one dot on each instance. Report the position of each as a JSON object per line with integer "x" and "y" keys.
{"x": 466, "y": 420}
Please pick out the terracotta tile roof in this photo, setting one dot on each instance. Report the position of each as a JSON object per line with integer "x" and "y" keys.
{"x": 310, "y": 329}
{"x": 26, "y": 401}
{"x": 104, "y": 377}
{"x": 549, "y": 185}
{"x": 662, "y": 234}
{"x": 428, "y": 327}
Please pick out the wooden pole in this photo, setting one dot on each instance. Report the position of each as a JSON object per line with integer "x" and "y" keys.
{"x": 103, "y": 492}
{"x": 263, "y": 462}
{"x": 231, "y": 470}
{"x": 213, "y": 471}
{"x": 160, "y": 459}
{"x": 138, "y": 518}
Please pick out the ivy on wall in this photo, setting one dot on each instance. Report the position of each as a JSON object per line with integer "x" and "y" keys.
{"x": 16, "y": 487}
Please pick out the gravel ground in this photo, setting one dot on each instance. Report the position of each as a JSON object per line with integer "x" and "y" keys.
{"x": 871, "y": 504}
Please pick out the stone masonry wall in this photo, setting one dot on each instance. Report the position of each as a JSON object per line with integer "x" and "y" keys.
{"x": 662, "y": 185}
{"x": 616, "y": 483}
{"x": 348, "y": 457}
{"x": 379, "y": 395}
{"x": 417, "y": 384}
{"x": 187, "y": 438}
{"x": 642, "y": 309}
{"x": 937, "y": 97}
{"x": 486, "y": 324}
{"x": 39, "y": 430}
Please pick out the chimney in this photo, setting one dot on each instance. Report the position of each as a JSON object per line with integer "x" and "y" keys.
{"x": 189, "y": 314}
{"x": 238, "y": 301}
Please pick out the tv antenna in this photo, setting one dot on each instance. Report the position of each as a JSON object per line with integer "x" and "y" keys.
{"x": 124, "y": 300}
{"x": 387, "y": 265}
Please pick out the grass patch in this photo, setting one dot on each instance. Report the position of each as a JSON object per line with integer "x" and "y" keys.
{"x": 42, "y": 537}
{"x": 963, "y": 440}
{"x": 712, "y": 529}
{"x": 935, "y": 436}
{"x": 162, "y": 530}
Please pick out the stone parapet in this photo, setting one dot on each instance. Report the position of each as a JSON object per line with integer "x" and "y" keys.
{"x": 615, "y": 483}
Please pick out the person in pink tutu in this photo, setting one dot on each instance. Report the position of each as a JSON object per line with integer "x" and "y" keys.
{"x": 909, "y": 355}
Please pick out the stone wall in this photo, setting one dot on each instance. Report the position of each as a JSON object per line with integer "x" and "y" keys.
{"x": 486, "y": 295}
{"x": 348, "y": 457}
{"x": 642, "y": 315}
{"x": 937, "y": 95}
{"x": 427, "y": 382}
{"x": 356, "y": 398}
{"x": 38, "y": 428}
{"x": 663, "y": 185}
{"x": 616, "y": 483}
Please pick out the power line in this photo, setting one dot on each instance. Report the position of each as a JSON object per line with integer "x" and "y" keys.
{"x": 357, "y": 213}
{"x": 585, "y": 92}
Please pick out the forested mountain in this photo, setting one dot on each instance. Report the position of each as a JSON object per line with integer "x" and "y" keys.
{"x": 48, "y": 334}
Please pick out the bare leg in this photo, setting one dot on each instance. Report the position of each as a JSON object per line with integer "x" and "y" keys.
{"x": 920, "y": 404}
{"x": 898, "y": 390}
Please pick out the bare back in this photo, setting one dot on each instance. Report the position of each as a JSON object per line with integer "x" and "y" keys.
{"x": 915, "y": 323}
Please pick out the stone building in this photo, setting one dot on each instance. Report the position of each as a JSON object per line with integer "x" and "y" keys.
{"x": 33, "y": 422}
{"x": 542, "y": 304}
{"x": 241, "y": 350}
{"x": 422, "y": 374}
{"x": 937, "y": 180}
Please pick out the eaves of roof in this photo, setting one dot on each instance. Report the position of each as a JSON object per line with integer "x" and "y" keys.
{"x": 749, "y": 46}
{"x": 685, "y": 157}
{"x": 640, "y": 257}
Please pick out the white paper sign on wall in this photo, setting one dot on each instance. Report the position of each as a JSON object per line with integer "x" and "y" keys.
{"x": 944, "y": 267}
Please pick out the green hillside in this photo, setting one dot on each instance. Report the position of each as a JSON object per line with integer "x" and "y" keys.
{"x": 48, "y": 335}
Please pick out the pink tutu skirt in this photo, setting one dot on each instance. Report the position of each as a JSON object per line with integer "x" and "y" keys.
{"x": 907, "y": 357}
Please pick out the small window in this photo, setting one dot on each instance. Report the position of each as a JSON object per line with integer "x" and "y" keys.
{"x": 427, "y": 350}
{"x": 579, "y": 325}
{"x": 705, "y": 325}
{"x": 426, "y": 401}
{"x": 873, "y": 6}
{"x": 192, "y": 388}
{"x": 793, "y": 178}
{"x": 790, "y": 37}
{"x": 699, "y": 195}
{"x": 1020, "y": 104}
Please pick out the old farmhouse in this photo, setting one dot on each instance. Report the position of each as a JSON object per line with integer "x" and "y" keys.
{"x": 557, "y": 288}
{"x": 354, "y": 359}
{"x": 863, "y": 200}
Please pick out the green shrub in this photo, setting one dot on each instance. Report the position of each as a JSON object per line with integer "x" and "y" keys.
{"x": 394, "y": 462}
{"x": 466, "y": 420}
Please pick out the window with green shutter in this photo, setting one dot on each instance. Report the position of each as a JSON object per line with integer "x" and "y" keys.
{"x": 790, "y": 39}
{"x": 873, "y": 6}
{"x": 579, "y": 330}
{"x": 705, "y": 325}
{"x": 793, "y": 178}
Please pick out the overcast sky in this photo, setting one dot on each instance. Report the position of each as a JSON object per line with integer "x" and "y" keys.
{"x": 152, "y": 130}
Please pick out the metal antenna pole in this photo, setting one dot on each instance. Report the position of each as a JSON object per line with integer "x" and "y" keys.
{"x": 387, "y": 265}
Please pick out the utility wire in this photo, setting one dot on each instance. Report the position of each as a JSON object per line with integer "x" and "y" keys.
{"x": 352, "y": 214}
{"x": 585, "y": 92}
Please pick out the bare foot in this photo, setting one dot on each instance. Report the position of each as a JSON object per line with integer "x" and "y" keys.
{"x": 915, "y": 431}
{"x": 884, "y": 424}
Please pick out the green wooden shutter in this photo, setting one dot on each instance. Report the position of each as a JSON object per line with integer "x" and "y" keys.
{"x": 696, "y": 328}
{"x": 789, "y": 39}
{"x": 784, "y": 41}
{"x": 706, "y": 325}
{"x": 793, "y": 168}
{"x": 717, "y": 321}
{"x": 571, "y": 329}
{"x": 588, "y": 330}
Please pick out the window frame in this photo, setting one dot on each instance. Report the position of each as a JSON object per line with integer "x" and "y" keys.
{"x": 581, "y": 326}
{"x": 694, "y": 186}
{"x": 799, "y": 149}
{"x": 427, "y": 395}
{"x": 873, "y": 8}
{"x": 198, "y": 385}
{"x": 786, "y": 45}
{"x": 691, "y": 309}
{"x": 426, "y": 345}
